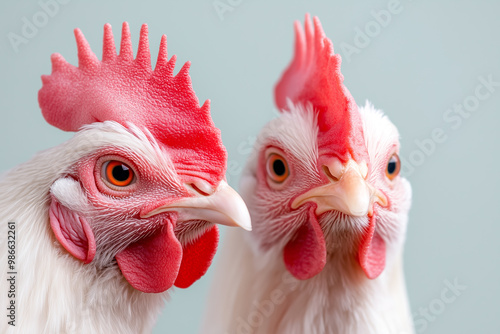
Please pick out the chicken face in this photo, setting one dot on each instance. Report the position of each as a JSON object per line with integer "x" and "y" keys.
{"x": 324, "y": 180}
{"x": 128, "y": 201}
{"x": 144, "y": 178}
{"x": 312, "y": 205}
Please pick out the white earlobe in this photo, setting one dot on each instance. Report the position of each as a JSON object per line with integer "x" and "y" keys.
{"x": 69, "y": 193}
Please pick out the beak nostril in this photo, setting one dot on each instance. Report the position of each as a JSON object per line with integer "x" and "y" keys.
{"x": 198, "y": 190}
{"x": 200, "y": 187}
{"x": 328, "y": 174}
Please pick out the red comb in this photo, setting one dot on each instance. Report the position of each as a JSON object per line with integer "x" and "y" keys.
{"x": 123, "y": 89}
{"x": 314, "y": 77}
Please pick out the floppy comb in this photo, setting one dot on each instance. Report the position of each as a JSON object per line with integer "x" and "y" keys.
{"x": 314, "y": 77}
{"x": 126, "y": 90}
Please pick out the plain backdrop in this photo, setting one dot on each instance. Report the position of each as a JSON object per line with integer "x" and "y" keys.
{"x": 417, "y": 64}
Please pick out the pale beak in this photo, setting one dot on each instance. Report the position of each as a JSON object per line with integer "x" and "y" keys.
{"x": 224, "y": 206}
{"x": 347, "y": 192}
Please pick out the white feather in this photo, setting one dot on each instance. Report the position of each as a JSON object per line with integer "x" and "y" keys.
{"x": 55, "y": 293}
{"x": 253, "y": 293}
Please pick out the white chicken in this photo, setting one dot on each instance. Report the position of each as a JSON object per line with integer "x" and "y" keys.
{"x": 104, "y": 224}
{"x": 329, "y": 214}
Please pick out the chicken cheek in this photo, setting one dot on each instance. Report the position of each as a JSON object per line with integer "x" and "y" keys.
{"x": 197, "y": 257}
{"x": 72, "y": 231}
{"x": 305, "y": 254}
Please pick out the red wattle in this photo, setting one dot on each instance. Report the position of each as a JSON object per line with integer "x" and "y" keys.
{"x": 305, "y": 254}
{"x": 197, "y": 258}
{"x": 371, "y": 253}
{"x": 151, "y": 264}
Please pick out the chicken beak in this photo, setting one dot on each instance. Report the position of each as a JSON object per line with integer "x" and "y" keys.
{"x": 224, "y": 206}
{"x": 347, "y": 192}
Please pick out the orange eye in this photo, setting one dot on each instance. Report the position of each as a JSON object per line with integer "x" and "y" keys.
{"x": 277, "y": 168}
{"x": 117, "y": 173}
{"x": 393, "y": 167}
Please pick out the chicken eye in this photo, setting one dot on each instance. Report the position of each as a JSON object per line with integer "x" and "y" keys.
{"x": 393, "y": 167}
{"x": 117, "y": 173}
{"x": 277, "y": 168}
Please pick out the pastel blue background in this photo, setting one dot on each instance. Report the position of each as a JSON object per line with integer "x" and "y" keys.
{"x": 427, "y": 58}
